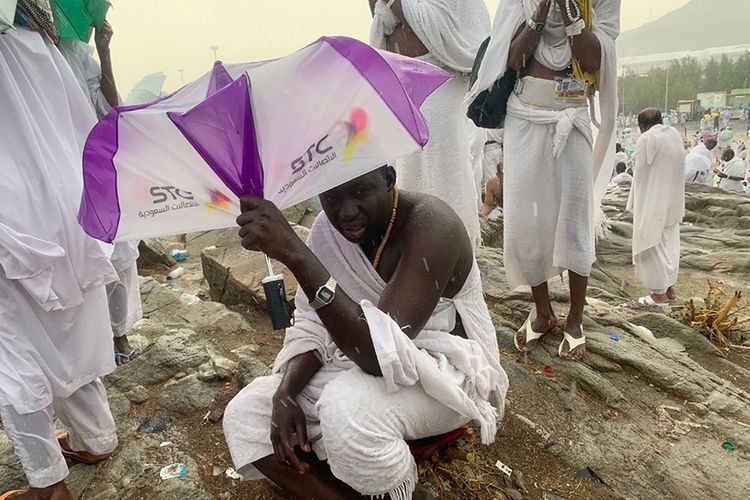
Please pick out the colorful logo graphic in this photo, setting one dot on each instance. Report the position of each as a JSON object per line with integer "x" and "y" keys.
{"x": 219, "y": 201}
{"x": 357, "y": 131}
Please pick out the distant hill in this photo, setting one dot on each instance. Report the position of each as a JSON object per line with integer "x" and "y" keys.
{"x": 697, "y": 25}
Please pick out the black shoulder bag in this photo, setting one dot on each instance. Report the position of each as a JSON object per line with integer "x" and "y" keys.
{"x": 489, "y": 108}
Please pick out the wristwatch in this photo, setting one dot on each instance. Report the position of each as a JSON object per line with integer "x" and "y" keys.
{"x": 535, "y": 25}
{"x": 324, "y": 295}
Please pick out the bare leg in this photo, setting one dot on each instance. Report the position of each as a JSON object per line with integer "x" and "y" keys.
{"x": 57, "y": 491}
{"x": 578, "y": 285}
{"x": 545, "y": 317}
{"x": 671, "y": 293}
{"x": 122, "y": 345}
{"x": 318, "y": 483}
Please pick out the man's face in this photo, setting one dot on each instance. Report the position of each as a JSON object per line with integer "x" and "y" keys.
{"x": 360, "y": 209}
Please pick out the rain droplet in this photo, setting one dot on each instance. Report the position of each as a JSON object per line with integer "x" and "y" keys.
{"x": 427, "y": 268}
{"x": 437, "y": 286}
{"x": 356, "y": 349}
{"x": 536, "y": 210}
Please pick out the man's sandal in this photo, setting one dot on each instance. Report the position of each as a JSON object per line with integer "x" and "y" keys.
{"x": 648, "y": 300}
{"x": 83, "y": 457}
{"x": 10, "y": 494}
{"x": 572, "y": 342}
{"x": 531, "y": 335}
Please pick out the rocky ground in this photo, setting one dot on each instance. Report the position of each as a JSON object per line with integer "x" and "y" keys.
{"x": 644, "y": 416}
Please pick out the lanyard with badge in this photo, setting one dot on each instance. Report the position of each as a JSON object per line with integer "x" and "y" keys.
{"x": 572, "y": 86}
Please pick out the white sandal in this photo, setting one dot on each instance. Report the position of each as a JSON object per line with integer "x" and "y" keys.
{"x": 648, "y": 300}
{"x": 572, "y": 342}
{"x": 531, "y": 335}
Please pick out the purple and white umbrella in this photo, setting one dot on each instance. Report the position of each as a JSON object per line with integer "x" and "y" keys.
{"x": 286, "y": 130}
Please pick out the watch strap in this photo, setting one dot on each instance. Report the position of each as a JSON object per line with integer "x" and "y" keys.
{"x": 325, "y": 295}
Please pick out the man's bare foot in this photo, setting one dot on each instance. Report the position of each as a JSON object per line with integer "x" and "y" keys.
{"x": 542, "y": 325}
{"x": 57, "y": 491}
{"x": 124, "y": 353}
{"x": 575, "y": 330}
{"x": 671, "y": 293}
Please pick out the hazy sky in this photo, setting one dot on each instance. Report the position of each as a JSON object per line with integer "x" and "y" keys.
{"x": 169, "y": 35}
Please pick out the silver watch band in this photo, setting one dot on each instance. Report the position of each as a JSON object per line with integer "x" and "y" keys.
{"x": 325, "y": 294}
{"x": 535, "y": 26}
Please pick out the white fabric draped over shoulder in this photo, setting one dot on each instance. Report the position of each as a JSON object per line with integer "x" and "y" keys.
{"x": 452, "y": 30}
{"x": 554, "y": 51}
{"x": 42, "y": 182}
{"x": 465, "y": 375}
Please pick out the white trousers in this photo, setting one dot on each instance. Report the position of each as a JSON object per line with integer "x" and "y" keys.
{"x": 355, "y": 425}
{"x": 90, "y": 425}
{"x": 124, "y": 300}
{"x": 657, "y": 267}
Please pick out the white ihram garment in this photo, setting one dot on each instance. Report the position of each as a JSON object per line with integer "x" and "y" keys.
{"x": 735, "y": 168}
{"x": 547, "y": 190}
{"x": 123, "y": 296}
{"x": 452, "y": 31}
{"x": 54, "y": 327}
{"x": 698, "y": 166}
{"x": 359, "y": 423}
{"x": 657, "y": 200}
{"x": 554, "y": 52}
{"x": 90, "y": 427}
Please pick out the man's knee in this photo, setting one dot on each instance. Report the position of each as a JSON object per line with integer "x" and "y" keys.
{"x": 361, "y": 436}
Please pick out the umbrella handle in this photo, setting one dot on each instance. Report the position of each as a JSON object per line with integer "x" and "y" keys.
{"x": 268, "y": 264}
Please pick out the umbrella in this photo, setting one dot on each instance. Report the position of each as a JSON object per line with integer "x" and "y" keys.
{"x": 74, "y": 18}
{"x": 286, "y": 129}
{"x": 7, "y": 14}
{"x": 147, "y": 90}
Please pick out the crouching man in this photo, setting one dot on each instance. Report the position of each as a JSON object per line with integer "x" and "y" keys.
{"x": 392, "y": 341}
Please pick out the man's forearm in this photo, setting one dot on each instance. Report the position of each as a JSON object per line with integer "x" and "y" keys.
{"x": 298, "y": 373}
{"x": 343, "y": 318}
{"x": 109, "y": 88}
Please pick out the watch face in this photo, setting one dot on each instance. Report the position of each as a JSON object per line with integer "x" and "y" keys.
{"x": 325, "y": 295}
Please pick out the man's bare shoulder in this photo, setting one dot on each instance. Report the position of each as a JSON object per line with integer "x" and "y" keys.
{"x": 434, "y": 219}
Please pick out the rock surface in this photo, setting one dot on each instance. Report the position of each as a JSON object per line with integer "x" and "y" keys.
{"x": 648, "y": 412}
{"x": 234, "y": 275}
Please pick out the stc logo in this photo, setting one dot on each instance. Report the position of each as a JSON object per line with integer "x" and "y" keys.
{"x": 162, "y": 194}
{"x": 320, "y": 148}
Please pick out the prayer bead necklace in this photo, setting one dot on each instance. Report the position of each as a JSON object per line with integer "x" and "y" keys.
{"x": 388, "y": 230}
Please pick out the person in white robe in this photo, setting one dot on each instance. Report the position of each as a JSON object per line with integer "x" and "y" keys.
{"x": 54, "y": 344}
{"x": 733, "y": 172}
{"x": 620, "y": 157}
{"x": 446, "y": 33}
{"x": 622, "y": 176}
{"x": 555, "y": 174}
{"x": 698, "y": 163}
{"x": 98, "y": 84}
{"x": 657, "y": 201}
{"x": 391, "y": 341}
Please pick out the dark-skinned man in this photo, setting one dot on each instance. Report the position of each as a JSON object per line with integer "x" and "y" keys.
{"x": 564, "y": 53}
{"x": 392, "y": 341}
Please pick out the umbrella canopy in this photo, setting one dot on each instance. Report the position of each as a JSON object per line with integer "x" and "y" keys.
{"x": 74, "y": 18}
{"x": 147, "y": 90}
{"x": 286, "y": 129}
{"x": 7, "y": 14}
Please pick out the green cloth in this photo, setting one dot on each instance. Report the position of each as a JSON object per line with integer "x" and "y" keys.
{"x": 74, "y": 18}
{"x": 7, "y": 14}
